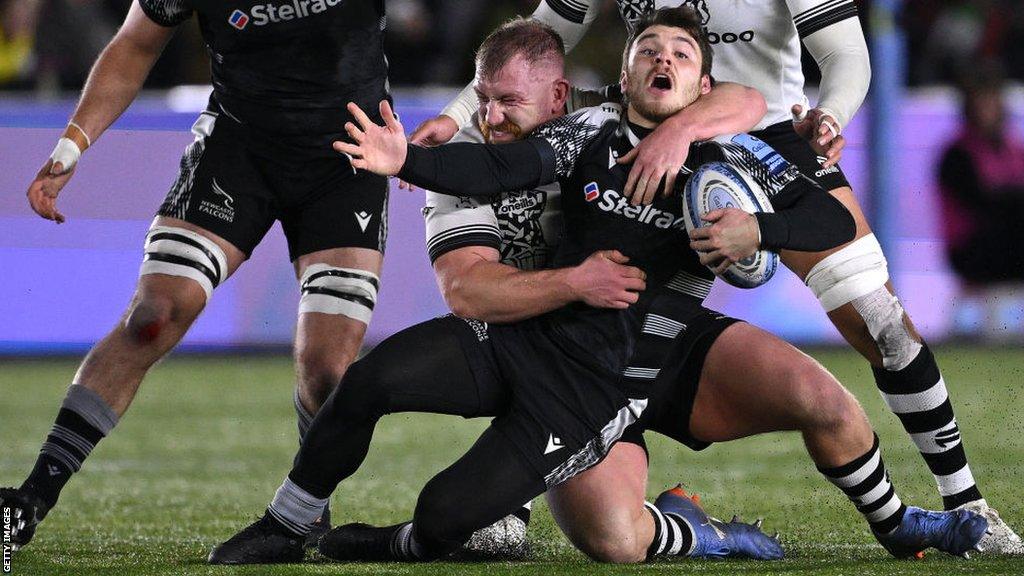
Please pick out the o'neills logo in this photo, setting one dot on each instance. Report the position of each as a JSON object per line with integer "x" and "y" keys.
{"x": 263, "y": 14}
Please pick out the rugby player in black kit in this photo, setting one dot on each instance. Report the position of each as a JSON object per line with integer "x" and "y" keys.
{"x": 282, "y": 73}
{"x": 575, "y": 379}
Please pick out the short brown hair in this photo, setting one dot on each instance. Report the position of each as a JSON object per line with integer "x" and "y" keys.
{"x": 684, "y": 17}
{"x": 534, "y": 40}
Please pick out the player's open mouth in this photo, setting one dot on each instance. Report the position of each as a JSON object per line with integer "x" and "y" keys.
{"x": 661, "y": 82}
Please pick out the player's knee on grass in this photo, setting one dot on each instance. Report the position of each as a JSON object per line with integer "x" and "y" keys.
{"x": 443, "y": 521}
{"x": 615, "y": 547}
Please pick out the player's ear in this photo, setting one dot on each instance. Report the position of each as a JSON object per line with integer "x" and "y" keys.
{"x": 623, "y": 80}
{"x": 560, "y": 92}
{"x": 705, "y": 84}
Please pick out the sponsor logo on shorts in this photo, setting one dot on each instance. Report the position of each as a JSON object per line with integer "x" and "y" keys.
{"x": 554, "y": 443}
{"x": 363, "y": 218}
{"x": 224, "y": 210}
{"x": 830, "y": 170}
{"x": 263, "y": 14}
{"x": 591, "y": 191}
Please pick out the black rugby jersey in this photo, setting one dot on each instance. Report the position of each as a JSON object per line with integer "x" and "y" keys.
{"x": 288, "y": 67}
{"x": 580, "y": 151}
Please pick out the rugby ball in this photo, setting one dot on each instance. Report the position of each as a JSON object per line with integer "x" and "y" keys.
{"x": 718, "y": 185}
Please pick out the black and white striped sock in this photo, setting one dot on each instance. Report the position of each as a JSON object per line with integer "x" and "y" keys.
{"x": 296, "y": 509}
{"x": 917, "y": 395}
{"x": 404, "y": 545}
{"x": 84, "y": 419}
{"x": 673, "y": 536}
{"x": 866, "y": 483}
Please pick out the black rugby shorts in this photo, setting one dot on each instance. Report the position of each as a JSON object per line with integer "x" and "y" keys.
{"x": 235, "y": 182}
{"x": 784, "y": 139}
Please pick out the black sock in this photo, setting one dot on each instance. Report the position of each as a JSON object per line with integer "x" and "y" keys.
{"x": 84, "y": 419}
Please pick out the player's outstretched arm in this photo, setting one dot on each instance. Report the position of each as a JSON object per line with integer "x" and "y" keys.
{"x": 476, "y": 285}
{"x": 459, "y": 169}
{"x": 113, "y": 83}
{"x": 833, "y": 36}
{"x": 728, "y": 108}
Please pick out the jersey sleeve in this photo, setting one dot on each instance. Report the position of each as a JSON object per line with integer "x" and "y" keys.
{"x": 831, "y": 31}
{"x": 454, "y": 222}
{"x": 570, "y": 134}
{"x": 167, "y": 12}
{"x": 570, "y": 18}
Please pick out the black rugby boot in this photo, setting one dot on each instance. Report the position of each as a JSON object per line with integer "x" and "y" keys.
{"x": 265, "y": 541}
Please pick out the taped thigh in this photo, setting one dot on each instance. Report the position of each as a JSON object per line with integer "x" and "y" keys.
{"x": 857, "y": 274}
{"x": 857, "y": 269}
{"x": 343, "y": 291}
{"x": 180, "y": 252}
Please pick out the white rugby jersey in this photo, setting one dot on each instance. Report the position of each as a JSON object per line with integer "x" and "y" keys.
{"x": 756, "y": 43}
{"x": 524, "y": 227}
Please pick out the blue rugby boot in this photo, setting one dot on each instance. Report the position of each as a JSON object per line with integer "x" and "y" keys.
{"x": 956, "y": 532}
{"x": 714, "y": 538}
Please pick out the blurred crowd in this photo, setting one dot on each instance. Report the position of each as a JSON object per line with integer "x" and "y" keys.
{"x": 48, "y": 45}
{"x": 947, "y": 39}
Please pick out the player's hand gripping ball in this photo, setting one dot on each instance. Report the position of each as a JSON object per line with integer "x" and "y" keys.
{"x": 718, "y": 185}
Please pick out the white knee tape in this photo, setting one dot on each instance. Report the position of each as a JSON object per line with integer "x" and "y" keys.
{"x": 180, "y": 252}
{"x": 850, "y": 273}
{"x": 345, "y": 291}
{"x": 883, "y": 315}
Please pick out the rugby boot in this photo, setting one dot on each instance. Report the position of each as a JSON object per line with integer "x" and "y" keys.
{"x": 360, "y": 542}
{"x": 24, "y": 510}
{"x": 319, "y": 528}
{"x": 265, "y": 541}
{"x": 1000, "y": 539}
{"x": 956, "y": 532}
{"x": 714, "y": 538}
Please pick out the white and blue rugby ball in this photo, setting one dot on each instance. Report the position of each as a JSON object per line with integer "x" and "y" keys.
{"x": 717, "y": 185}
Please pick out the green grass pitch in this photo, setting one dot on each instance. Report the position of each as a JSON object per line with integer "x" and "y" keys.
{"x": 209, "y": 439}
